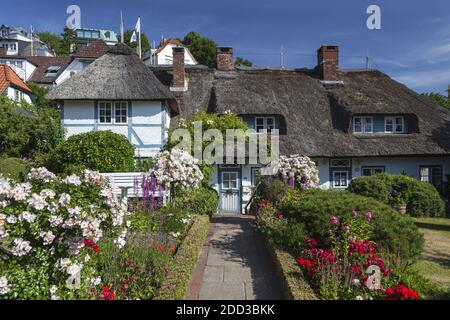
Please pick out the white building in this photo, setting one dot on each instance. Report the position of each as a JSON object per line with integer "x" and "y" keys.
{"x": 18, "y": 42}
{"x": 163, "y": 55}
{"x": 14, "y": 87}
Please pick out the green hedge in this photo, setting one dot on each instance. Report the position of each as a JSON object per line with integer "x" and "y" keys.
{"x": 176, "y": 284}
{"x": 198, "y": 200}
{"x": 103, "y": 151}
{"x": 14, "y": 168}
{"x": 313, "y": 208}
{"x": 295, "y": 285}
{"x": 421, "y": 198}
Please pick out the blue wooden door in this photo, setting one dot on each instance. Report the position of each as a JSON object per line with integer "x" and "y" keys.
{"x": 230, "y": 190}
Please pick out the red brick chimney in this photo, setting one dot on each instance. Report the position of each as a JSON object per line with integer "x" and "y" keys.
{"x": 3, "y": 51}
{"x": 328, "y": 63}
{"x": 225, "y": 59}
{"x": 179, "y": 74}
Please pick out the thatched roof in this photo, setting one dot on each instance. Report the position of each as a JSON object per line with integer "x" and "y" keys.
{"x": 118, "y": 75}
{"x": 318, "y": 116}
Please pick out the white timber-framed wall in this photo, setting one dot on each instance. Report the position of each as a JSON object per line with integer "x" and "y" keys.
{"x": 146, "y": 127}
{"x": 77, "y": 65}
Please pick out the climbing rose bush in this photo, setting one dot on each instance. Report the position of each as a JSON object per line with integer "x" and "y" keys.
{"x": 177, "y": 167}
{"x": 298, "y": 170}
{"x": 49, "y": 230}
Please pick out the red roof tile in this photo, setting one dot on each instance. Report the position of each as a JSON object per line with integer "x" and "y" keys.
{"x": 8, "y": 76}
{"x": 169, "y": 41}
{"x": 95, "y": 49}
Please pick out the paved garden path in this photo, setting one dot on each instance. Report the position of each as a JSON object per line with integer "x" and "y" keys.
{"x": 234, "y": 264}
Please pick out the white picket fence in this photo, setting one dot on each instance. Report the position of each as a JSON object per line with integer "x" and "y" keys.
{"x": 123, "y": 183}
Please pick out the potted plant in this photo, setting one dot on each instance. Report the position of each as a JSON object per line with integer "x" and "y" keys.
{"x": 399, "y": 203}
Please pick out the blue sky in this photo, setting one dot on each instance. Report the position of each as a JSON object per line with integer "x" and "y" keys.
{"x": 413, "y": 45}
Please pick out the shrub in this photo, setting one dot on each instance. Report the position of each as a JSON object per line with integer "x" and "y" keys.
{"x": 102, "y": 151}
{"x": 14, "y": 168}
{"x": 49, "y": 227}
{"x": 198, "y": 201}
{"x": 312, "y": 208}
{"x": 421, "y": 198}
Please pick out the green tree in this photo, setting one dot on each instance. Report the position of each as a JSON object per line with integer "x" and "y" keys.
{"x": 438, "y": 99}
{"x": 203, "y": 49}
{"x": 39, "y": 93}
{"x": 145, "y": 44}
{"x": 53, "y": 41}
{"x": 68, "y": 42}
{"x": 243, "y": 62}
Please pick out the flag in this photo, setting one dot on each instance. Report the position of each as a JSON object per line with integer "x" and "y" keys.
{"x": 122, "y": 28}
{"x": 137, "y": 31}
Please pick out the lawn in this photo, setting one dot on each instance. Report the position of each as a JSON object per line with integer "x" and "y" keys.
{"x": 435, "y": 264}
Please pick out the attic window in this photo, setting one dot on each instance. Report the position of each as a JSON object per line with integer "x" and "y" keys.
{"x": 394, "y": 125}
{"x": 52, "y": 71}
{"x": 362, "y": 124}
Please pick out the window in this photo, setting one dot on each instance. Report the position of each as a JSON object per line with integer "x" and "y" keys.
{"x": 16, "y": 95}
{"x": 340, "y": 179}
{"x": 255, "y": 176}
{"x": 229, "y": 180}
{"x": 264, "y": 123}
{"x": 433, "y": 175}
{"x": 121, "y": 112}
{"x": 362, "y": 124}
{"x": 52, "y": 71}
{"x": 105, "y": 112}
{"x": 341, "y": 163}
{"x": 394, "y": 125}
{"x": 370, "y": 171}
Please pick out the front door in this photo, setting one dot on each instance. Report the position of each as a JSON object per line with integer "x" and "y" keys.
{"x": 230, "y": 190}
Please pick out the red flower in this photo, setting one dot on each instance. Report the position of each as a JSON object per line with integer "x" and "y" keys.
{"x": 173, "y": 247}
{"x": 96, "y": 248}
{"x": 311, "y": 242}
{"x": 279, "y": 214}
{"x": 107, "y": 293}
{"x": 88, "y": 243}
{"x": 401, "y": 292}
{"x": 356, "y": 269}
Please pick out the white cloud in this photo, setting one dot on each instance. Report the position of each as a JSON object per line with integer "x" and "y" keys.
{"x": 424, "y": 79}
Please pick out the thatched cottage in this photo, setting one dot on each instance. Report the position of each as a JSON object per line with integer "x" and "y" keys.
{"x": 351, "y": 123}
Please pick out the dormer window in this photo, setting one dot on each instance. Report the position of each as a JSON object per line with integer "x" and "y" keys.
{"x": 394, "y": 125}
{"x": 264, "y": 123}
{"x": 52, "y": 71}
{"x": 362, "y": 124}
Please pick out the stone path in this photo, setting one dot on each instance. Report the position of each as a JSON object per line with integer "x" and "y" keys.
{"x": 234, "y": 264}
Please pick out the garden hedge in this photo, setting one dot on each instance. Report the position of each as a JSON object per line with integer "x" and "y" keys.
{"x": 198, "y": 201}
{"x": 14, "y": 168}
{"x": 103, "y": 151}
{"x": 421, "y": 198}
{"x": 176, "y": 284}
{"x": 295, "y": 285}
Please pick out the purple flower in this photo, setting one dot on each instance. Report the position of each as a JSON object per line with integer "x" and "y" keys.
{"x": 369, "y": 216}
{"x": 334, "y": 220}
{"x": 354, "y": 213}
{"x": 346, "y": 229}
{"x": 351, "y": 240}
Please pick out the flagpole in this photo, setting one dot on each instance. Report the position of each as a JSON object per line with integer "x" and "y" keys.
{"x": 32, "y": 49}
{"x": 121, "y": 28}
{"x": 140, "y": 44}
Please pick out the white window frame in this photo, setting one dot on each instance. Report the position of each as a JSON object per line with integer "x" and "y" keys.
{"x": 265, "y": 127}
{"x": 334, "y": 179}
{"x": 394, "y": 124}
{"x": 126, "y": 112}
{"x": 372, "y": 169}
{"x": 100, "y": 111}
{"x": 237, "y": 180}
{"x": 363, "y": 124}
{"x": 113, "y": 112}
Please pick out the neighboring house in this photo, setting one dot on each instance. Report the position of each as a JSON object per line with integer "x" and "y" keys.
{"x": 17, "y": 41}
{"x": 163, "y": 54}
{"x": 118, "y": 92}
{"x": 13, "y": 86}
{"x": 48, "y": 69}
{"x": 351, "y": 123}
{"x": 20, "y": 65}
{"x": 82, "y": 59}
{"x": 85, "y": 36}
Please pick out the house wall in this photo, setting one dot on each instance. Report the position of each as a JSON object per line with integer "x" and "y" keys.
{"x": 146, "y": 129}
{"x": 22, "y": 67}
{"x": 12, "y": 95}
{"x": 165, "y": 57}
{"x": 74, "y": 67}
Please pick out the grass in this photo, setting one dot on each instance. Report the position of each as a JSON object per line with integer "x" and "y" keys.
{"x": 435, "y": 263}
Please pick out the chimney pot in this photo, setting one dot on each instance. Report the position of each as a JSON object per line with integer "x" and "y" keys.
{"x": 225, "y": 59}
{"x": 179, "y": 73}
{"x": 328, "y": 62}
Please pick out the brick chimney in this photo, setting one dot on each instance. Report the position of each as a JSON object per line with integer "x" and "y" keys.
{"x": 328, "y": 63}
{"x": 3, "y": 51}
{"x": 178, "y": 71}
{"x": 225, "y": 59}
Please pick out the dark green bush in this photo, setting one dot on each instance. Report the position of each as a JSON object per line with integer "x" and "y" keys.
{"x": 421, "y": 198}
{"x": 14, "y": 168}
{"x": 103, "y": 151}
{"x": 313, "y": 209}
{"x": 198, "y": 201}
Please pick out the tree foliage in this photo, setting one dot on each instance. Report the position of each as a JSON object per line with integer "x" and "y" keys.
{"x": 52, "y": 40}
{"x": 39, "y": 93}
{"x": 145, "y": 43}
{"x": 243, "y": 62}
{"x": 438, "y": 99}
{"x": 203, "y": 49}
{"x": 68, "y": 42}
